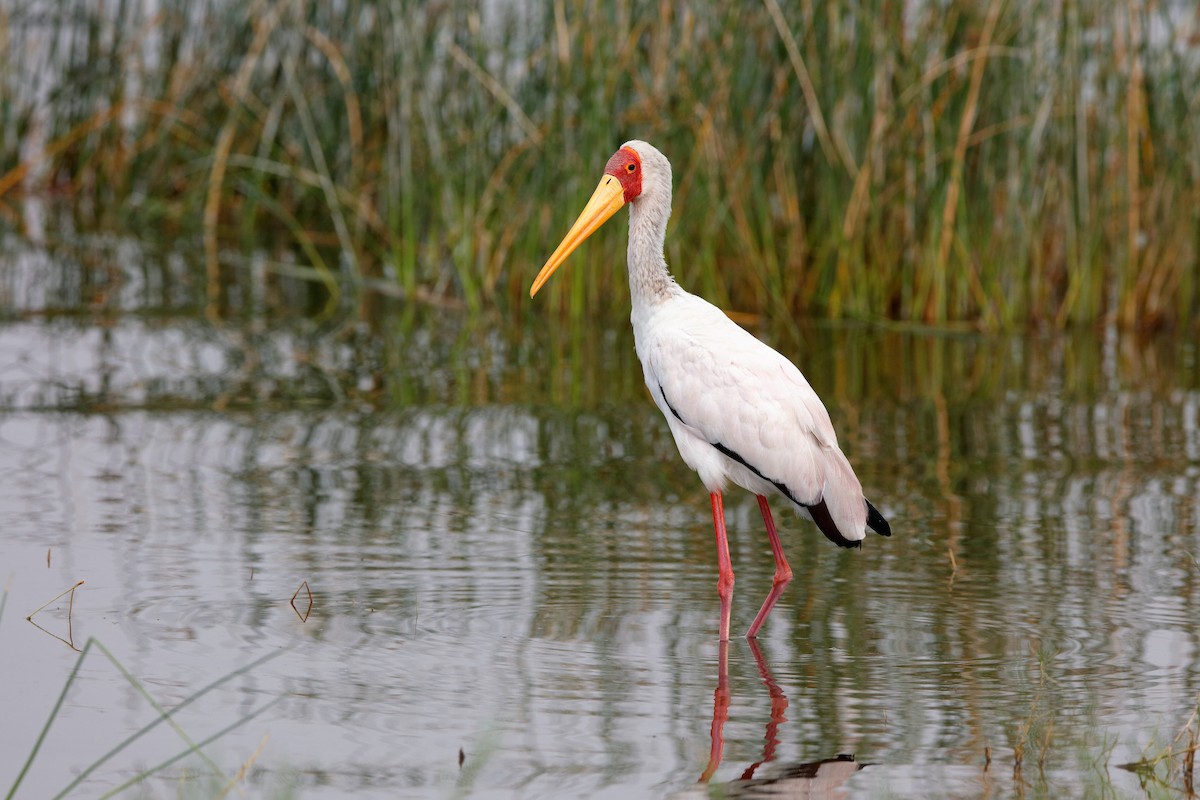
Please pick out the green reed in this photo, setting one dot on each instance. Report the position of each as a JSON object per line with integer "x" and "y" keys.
{"x": 998, "y": 163}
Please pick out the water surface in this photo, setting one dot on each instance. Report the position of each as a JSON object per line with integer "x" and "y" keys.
{"x": 508, "y": 560}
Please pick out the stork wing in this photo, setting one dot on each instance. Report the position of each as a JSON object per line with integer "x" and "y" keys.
{"x": 750, "y": 403}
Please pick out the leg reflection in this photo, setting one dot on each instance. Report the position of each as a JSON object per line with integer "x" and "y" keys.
{"x": 779, "y": 704}
{"x": 720, "y": 712}
{"x": 787, "y": 780}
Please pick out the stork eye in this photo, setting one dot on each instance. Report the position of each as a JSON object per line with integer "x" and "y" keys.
{"x": 631, "y": 167}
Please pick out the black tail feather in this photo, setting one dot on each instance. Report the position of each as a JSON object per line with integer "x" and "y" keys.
{"x": 820, "y": 515}
{"x": 876, "y": 522}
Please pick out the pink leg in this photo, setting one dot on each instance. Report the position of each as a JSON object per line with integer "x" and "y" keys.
{"x": 783, "y": 573}
{"x": 724, "y": 565}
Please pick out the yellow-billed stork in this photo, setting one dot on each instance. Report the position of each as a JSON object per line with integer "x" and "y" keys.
{"x": 739, "y": 411}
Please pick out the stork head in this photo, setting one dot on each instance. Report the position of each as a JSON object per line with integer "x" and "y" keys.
{"x": 635, "y": 173}
{"x": 641, "y": 170}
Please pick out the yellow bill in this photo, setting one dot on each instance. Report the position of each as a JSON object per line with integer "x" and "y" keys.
{"x": 606, "y": 201}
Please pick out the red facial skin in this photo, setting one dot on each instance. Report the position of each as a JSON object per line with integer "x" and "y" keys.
{"x": 626, "y": 167}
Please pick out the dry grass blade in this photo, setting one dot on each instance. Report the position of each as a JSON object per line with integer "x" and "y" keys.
{"x": 245, "y": 769}
{"x": 303, "y": 586}
{"x": 354, "y": 121}
{"x": 224, "y": 144}
{"x": 497, "y": 90}
{"x": 4, "y": 597}
{"x": 97, "y": 121}
{"x": 317, "y": 152}
{"x": 70, "y": 640}
{"x": 835, "y": 152}
{"x": 935, "y": 305}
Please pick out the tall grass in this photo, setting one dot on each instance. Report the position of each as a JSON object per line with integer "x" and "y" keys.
{"x": 996, "y": 162}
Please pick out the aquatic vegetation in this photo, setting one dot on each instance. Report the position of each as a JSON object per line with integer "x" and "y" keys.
{"x": 993, "y": 163}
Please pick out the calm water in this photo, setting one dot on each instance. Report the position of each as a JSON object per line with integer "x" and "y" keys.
{"x": 508, "y": 560}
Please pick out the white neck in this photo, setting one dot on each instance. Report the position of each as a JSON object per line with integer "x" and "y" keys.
{"x": 649, "y": 281}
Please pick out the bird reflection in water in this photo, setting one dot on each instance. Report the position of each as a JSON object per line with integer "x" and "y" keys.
{"x": 766, "y": 777}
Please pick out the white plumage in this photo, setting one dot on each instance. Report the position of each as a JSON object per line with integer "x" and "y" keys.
{"x": 718, "y": 386}
{"x": 739, "y": 411}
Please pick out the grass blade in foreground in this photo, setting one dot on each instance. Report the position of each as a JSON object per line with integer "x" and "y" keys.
{"x": 164, "y": 716}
